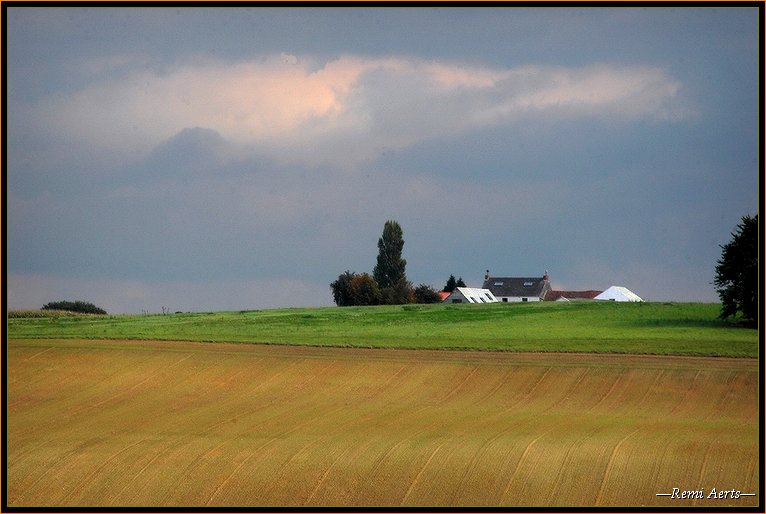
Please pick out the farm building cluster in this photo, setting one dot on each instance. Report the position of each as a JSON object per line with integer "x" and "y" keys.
{"x": 532, "y": 289}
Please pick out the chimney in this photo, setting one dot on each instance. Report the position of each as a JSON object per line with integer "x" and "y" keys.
{"x": 486, "y": 277}
{"x": 545, "y": 277}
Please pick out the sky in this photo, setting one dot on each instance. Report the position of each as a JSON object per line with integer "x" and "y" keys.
{"x": 206, "y": 159}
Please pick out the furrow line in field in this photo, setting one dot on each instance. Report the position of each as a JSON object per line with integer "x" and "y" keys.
{"x": 234, "y": 472}
{"x": 196, "y": 462}
{"x": 31, "y": 486}
{"x": 134, "y": 386}
{"x": 361, "y": 420}
{"x": 379, "y": 462}
{"x": 479, "y": 452}
{"x": 535, "y": 386}
{"x": 39, "y": 353}
{"x": 500, "y": 383}
{"x": 389, "y": 380}
{"x": 566, "y": 461}
{"x": 573, "y": 387}
{"x": 138, "y": 474}
{"x": 617, "y": 380}
{"x": 16, "y": 458}
{"x": 420, "y": 473}
{"x": 261, "y": 385}
{"x": 524, "y": 398}
{"x": 703, "y": 468}
{"x": 229, "y": 379}
{"x": 460, "y": 385}
{"x": 539, "y": 381}
{"x": 657, "y": 377}
{"x": 285, "y": 468}
{"x": 609, "y": 466}
{"x": 687, "y": 393}
{"x": 752, "y": 468}
{"x": 312, "y": 420}
{"x": 564, "y": 467}
{"x": 520, "y": 463}
{"x": 733, "y": 392}
{"x": 325, "y": 474}
{"x": 72, "y": 453}
{"x": 95, "y": 472}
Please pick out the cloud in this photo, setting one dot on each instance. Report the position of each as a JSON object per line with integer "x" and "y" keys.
{"x": 295, "y": 109}
{"x": 630, "y": 93}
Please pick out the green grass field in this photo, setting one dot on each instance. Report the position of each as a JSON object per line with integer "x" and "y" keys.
{"x": 592, "y": 327}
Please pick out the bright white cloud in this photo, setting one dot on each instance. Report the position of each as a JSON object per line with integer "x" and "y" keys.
{"x": 293, "y": 109}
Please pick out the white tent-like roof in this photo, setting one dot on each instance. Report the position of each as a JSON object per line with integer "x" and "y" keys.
{"x": 471, "y": 295}
{"x": 619, "y": 294}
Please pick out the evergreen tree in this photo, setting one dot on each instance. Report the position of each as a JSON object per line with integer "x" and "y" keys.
{"x": 736, "y": 273}
{"x": 451, "y": 284}
{"x": 460, "y": 283}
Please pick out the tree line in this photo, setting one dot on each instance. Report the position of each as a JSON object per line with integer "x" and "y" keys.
{"x": 388, "y": 284}
{"x": 76, "y": 306}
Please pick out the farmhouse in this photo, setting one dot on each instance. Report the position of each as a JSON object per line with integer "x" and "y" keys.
{"x": 518, "y": 289}
{"x": 470, "y": 295}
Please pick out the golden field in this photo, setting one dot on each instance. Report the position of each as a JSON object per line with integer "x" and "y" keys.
{"x": 147, "y": 423}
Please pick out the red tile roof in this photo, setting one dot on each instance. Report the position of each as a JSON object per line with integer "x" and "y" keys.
{"x": 572, "y": 295}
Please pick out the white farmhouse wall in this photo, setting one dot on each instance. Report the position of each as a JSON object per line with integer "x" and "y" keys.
{"x": 519, "y": 298}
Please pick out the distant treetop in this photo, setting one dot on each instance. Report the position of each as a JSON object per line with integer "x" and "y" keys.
{"x": 78, "y": 306}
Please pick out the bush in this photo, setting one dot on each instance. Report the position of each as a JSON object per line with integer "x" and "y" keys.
{"x": 426, "y": 294}
{"x": 355, "y": 289}
{"x": 364, "y": 290}
{"x": 398, "y": 294}
{"x": 78, "y": 306}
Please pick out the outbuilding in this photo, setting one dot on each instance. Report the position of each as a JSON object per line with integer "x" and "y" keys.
{"x": 471, "y": 295}
{"x": 619, "y": 294}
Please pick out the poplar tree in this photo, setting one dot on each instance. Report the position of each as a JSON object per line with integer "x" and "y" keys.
{"x": 390, "y": 268}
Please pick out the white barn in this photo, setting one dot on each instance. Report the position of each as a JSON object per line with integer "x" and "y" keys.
{"x": 619, "y": 294}
{"x": 471, "y": 295}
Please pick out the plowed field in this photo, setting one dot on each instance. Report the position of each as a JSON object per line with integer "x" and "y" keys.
{"x": 127, "y": 423}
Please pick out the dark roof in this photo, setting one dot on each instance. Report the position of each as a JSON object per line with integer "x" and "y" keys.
{"x": 571, "y": 295}
{"x": 517, "y": 286}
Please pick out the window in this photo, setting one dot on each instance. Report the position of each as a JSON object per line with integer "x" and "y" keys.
{"x": 498, "y": 283}
{"x": 505, "y": 300}
{"x": 528, "y": 284}
{"x": 525, "y": 299}
{"x": 457, "y": 300}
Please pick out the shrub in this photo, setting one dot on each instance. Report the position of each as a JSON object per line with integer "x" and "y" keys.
{"x": 426, "y": 294}
{"x": 398, "y": 294}
{"x": 78, "y": 306}
{"x": 355, "y": 289}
